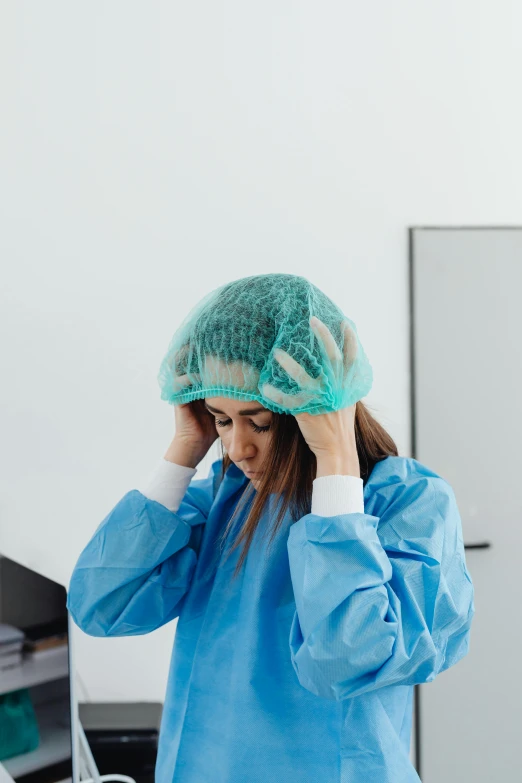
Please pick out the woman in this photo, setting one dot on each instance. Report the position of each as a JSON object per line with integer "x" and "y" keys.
{"x": 295, "y": 656}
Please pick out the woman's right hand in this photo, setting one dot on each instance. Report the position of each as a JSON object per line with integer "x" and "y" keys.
{"x": 195, "y": 434}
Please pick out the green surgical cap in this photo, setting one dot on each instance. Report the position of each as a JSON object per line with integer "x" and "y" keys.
{"x": 252, "y": 339}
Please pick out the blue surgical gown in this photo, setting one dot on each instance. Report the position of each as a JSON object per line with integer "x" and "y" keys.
{"x": 302, "y": 669}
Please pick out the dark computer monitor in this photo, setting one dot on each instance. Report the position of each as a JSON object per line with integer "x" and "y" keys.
{"x": 38, "y": 707}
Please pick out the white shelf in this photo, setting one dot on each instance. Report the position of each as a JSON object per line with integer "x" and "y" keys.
{"x": 5, "y": 777}
{"x": 55, "y": 741}
{"x": 41, "y": 666}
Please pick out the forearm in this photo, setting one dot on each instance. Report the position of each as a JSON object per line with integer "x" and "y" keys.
{"x": 133, "y": 572}
{"x": 182, "y": 454}
{"x": 167, "y": 483}
{"x": 346, "y": 464}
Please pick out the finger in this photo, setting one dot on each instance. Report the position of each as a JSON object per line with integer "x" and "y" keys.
{"x": 350, "y": 346}
{"x": 295, "y": 370}
{"x": 290, "y": 401}
{"x": 322, "y": 332}
{"x": 177, "y": 358}
{"x": 182, "y": 381}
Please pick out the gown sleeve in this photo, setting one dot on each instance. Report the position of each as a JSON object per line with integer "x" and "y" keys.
{"x": 134, "y": 573}
{"x": 383, "y": 596}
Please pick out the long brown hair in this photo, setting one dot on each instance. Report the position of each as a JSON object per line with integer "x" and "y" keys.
{"x": 290, "y": 468}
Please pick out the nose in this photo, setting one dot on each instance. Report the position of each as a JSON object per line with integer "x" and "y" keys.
{"x": 240, "y": 446}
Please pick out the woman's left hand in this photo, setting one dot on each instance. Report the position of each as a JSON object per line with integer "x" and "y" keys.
{"x": 331, "y": 436}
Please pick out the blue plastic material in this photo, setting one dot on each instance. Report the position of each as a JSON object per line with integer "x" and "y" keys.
{"x": 302, "y": 669}
{"x": 253, "y": 339}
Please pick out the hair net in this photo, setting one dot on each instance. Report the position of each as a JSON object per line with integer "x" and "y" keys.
{"x": 253, "y": 339}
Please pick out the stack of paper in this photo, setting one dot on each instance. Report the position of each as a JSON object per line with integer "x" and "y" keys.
{"x": 11, "y": 644}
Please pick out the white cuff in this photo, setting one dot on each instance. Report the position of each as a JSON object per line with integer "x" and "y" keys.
{"x": 167, "y": 484}
{"x": 337, "y": 494}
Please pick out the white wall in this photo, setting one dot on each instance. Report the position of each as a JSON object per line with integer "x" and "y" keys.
{"x": 152, "y": 151}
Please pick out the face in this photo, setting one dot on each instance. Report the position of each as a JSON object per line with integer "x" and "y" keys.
{"x": 244, "y": 427}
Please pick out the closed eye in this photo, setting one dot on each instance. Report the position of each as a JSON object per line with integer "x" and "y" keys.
{"x": 254, "y": 426}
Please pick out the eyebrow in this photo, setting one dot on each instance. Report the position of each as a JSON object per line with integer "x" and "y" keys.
{"x": 245, "y": 412}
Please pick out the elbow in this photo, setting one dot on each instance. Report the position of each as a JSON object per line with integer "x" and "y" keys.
{"x": 95, "y": 621}
{"x": 92, "y": 616}
{"x": 316, "y": 680}
{"x": 336, "y": 670}
{"x": 456, "y": 644}
{"x": 335, "y": 667}
{"x": 336, "y": 683}
{"x": 87, "y": 621}
{"x": 84, "y": 610}
{"x": 127, "y": 610}
{"x": 332, "y": 676}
